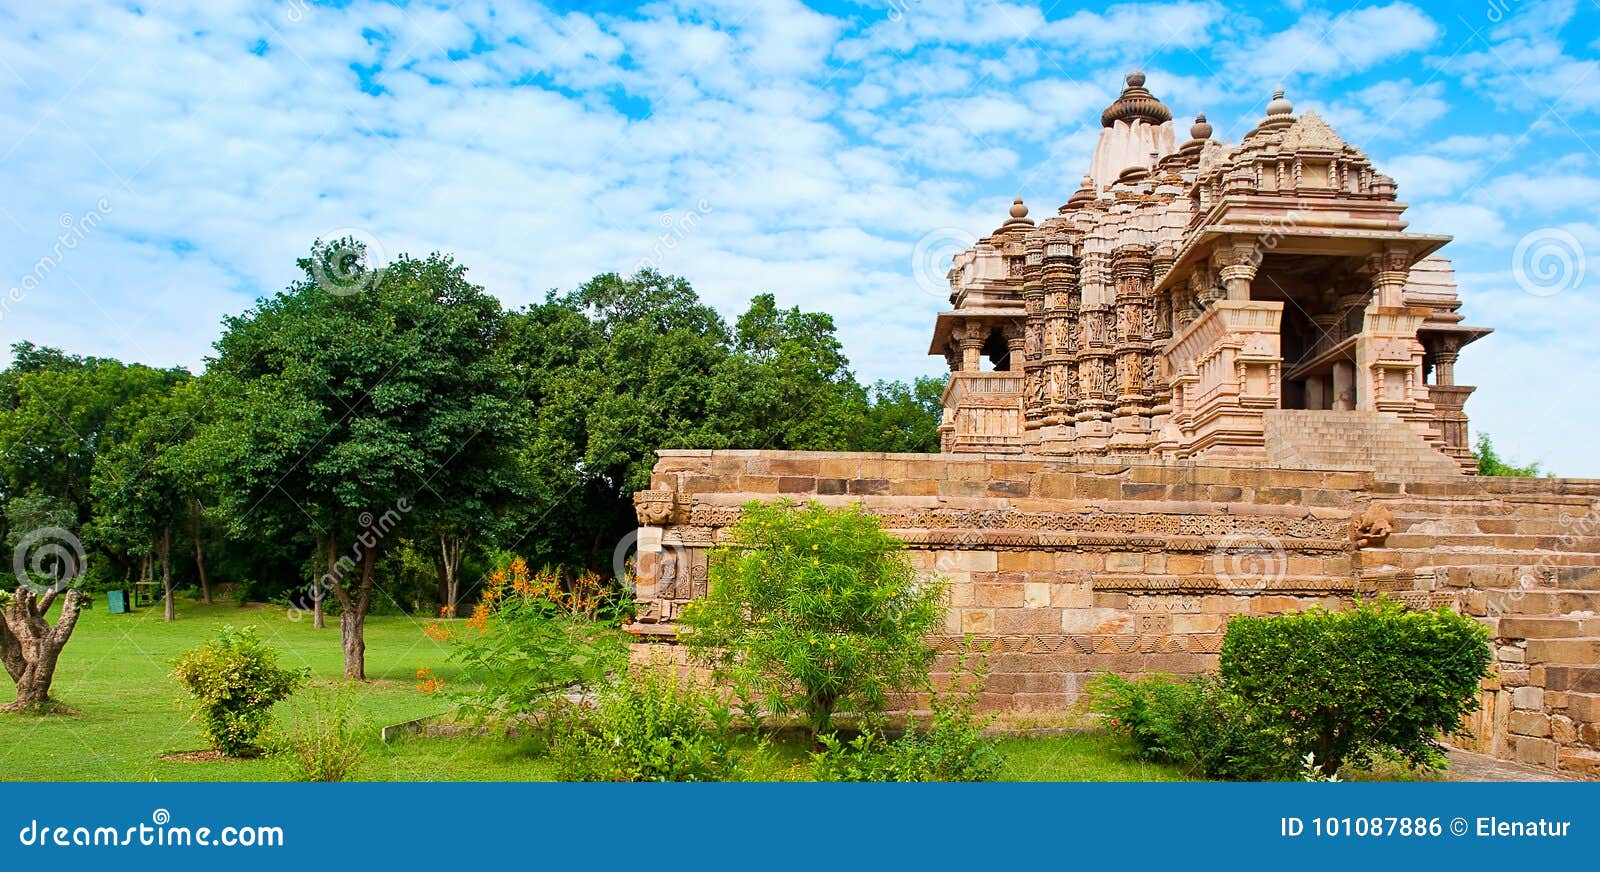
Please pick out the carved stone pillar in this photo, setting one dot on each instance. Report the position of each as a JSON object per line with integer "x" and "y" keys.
{"x": 1444, "y": 367}
{"x": 1239, "y": 270}
{"x": 1389, "y": 270}
{"x": 972, "y": 338}
{"x": 1017, "y": 348}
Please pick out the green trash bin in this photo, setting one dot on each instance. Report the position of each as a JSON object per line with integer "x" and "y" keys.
{"x": 117, "y": 602}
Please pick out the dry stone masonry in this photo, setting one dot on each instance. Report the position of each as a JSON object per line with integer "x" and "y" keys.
{"x": 1222, "y": 384}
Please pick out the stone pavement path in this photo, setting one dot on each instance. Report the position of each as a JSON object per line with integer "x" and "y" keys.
{"x": 1470, "y": 766}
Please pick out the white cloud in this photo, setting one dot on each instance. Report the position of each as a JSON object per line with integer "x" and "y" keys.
{"x": 1350, "y": 42}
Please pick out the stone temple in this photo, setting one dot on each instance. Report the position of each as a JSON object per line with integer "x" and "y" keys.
{"x": 1218, "y": 381}
{"x": 1187, "y": 294}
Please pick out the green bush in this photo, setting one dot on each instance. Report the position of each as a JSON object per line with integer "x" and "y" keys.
{"x": 1349, "y": 685}
{"x": 952, "y": 748}
{"x": 814, "y": 610}
{"x": 649, "y": 727}
{"x": 235, "y": 680}
{"x": 326, "y": 740}
{"x": 1195, "y": 723}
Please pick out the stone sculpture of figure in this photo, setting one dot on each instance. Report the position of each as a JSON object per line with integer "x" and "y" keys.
{"x": 1372, "y": 527}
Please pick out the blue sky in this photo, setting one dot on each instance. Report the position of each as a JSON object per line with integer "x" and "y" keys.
{"x": 163, "y": 163}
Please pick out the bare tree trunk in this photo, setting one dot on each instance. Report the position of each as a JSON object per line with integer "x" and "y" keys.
{"x": 200, "y": 556}
{"x": 30, "y": 647}
{"x": 450, "y": 549}
{"x": 319, "y": 587}
{"x": 168, "y": 605}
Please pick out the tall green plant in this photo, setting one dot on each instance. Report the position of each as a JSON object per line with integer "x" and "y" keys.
{"x": 647, "y": 726}
{"x": 815, "y": 610}
{"x": 532, "y": 637}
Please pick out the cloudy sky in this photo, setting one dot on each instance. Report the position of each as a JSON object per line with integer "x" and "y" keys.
{"x": 163, "y": 163}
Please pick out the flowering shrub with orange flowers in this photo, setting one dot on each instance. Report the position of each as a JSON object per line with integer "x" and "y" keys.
{"x": 532, "y": 638}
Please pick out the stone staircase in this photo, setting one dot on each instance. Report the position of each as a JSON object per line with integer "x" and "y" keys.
{"x": 1375, "y": 441}
{"x": 1529, "y": 570}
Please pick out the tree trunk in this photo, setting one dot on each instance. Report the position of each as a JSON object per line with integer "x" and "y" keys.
{"x": 320, "y": 586}
{"x": 353, "y": 604}
{"x": 168, "y": 605}
{"x": 450, "y": 548}
{"x": 30, "y": 647}
{"x": 200, "y": 556}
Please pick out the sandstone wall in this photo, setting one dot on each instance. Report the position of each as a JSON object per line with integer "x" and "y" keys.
{"x": 1067, "y": 569}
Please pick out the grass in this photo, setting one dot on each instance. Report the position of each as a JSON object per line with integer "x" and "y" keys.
{"x": 130, "y": 712}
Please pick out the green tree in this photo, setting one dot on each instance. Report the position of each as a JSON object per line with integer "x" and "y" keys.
{"x": 815, "y": 610}
{"x": 608, "y": 374}
{"x": 1491, "y": 463}
{"x": 904, "y": 418}
{"x": 788, "y": 384}
{"x": 345, "y": 406}
{"x": 144, "y": 486}
{"x": 58, "y": 415}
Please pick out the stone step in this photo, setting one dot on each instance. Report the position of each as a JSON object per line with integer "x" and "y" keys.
{"x": 1416, "y": 558}
{"x": 1312, "y": 439}
{"x": 1584, "y": 650}
{"x": 1467, "y": 523}
{"x": 1532, "y": 577}
{"x": 1523, "y": 627}
{"x": 1576, "y": 678}
{"x": 1498, "y": 541}
{"x": 1536, "y": 603}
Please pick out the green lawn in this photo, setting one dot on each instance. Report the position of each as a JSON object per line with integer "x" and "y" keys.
{"x": 115, "y": 673}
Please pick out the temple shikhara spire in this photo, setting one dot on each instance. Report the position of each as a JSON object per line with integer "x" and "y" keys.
{"x": 1202, "y": 299}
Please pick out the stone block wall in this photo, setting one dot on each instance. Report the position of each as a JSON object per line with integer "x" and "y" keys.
{"x": 1068, "y": 569}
